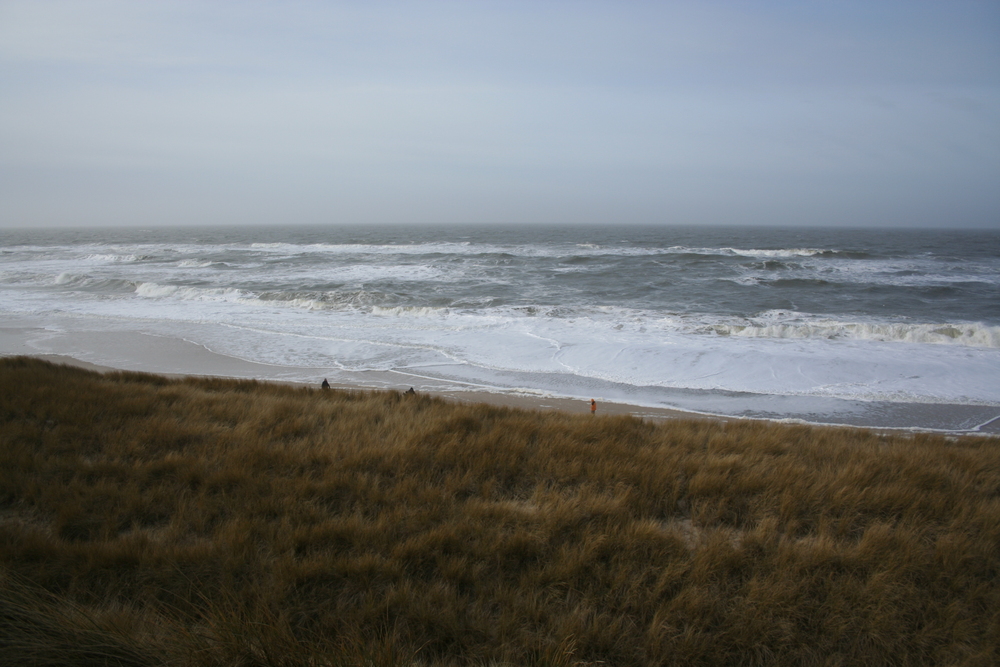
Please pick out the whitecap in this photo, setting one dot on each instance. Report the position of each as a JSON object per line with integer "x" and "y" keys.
{"x": 968, "y": 334}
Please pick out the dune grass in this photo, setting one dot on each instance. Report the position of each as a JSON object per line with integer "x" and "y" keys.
{"x": 149, "y": 521}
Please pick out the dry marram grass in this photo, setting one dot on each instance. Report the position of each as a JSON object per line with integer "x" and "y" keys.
{"x": 215, "y": 522}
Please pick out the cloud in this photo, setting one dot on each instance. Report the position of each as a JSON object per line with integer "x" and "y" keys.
{"x": 162, "y": 112}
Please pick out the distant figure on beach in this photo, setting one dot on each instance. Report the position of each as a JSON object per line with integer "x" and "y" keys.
{"x": 593, "y": 406}
{"x": 409, "y": 392}
{"x": 325, "y": 385}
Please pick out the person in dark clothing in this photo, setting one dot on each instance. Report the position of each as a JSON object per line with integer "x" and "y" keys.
{"x": 325, "y": 385}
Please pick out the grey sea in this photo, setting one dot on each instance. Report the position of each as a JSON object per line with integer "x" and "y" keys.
{"x": 882, "y": 328}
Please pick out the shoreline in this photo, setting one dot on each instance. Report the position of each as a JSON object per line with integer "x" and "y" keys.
{"x": 542, "y": 403}
{"x": 104, "y": 348}
{"x": 151, "y": 353}
{"x": 567, "y": 405}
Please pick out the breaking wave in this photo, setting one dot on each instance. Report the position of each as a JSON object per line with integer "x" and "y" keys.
{"x": 158, "y": 291}
{"x": 325, "y": 300}
{"x": 968, "y": 334}
{"x": 410, "y": 311}
{"x": 114, "y": 258}
{"x": 531, "y": 250}
{"x": 85, "y": 282}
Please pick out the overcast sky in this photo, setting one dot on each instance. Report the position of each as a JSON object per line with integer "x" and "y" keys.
{"x": 868, "y": 113}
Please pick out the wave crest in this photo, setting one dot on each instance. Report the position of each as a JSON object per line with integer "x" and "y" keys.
{"x": 410, "y": 311}
{"x": 158, "y": 291}
{"x": 88, "y": 283}
{"x": 968, "y": 334}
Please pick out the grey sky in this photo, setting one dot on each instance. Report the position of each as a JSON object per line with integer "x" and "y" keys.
{"x": 798, "y": 113}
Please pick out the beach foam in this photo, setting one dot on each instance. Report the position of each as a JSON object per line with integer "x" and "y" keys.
{"x": 689, "y": 320}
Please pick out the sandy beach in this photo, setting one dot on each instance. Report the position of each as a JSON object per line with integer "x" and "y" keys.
{"x": 105, "y": 350}
{"x": 524, "y": 402}
{"x": 177, "y": 358}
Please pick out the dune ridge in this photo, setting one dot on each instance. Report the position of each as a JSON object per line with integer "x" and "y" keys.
{"x": 147, "y": 520}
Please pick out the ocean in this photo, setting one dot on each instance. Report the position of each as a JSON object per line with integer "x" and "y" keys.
{"x": 885, "y": 328}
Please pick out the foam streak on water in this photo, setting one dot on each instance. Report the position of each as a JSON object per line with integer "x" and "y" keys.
{"x": 766, "y": 322}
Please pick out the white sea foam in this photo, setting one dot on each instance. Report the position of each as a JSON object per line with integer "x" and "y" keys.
{"x": 457, "y": 248}
{"x": 768, "y": 325}
{"x": 308, "y": 304}
{"x": 183, "y": 292}
{"x": 967, "y": 334}
{"x": 102, "y": 257}
{"x": 765, "y": 253}
{"x": 67, "y": 278}
{"x": 93, "y": 283}
{"x": 197, "y": 263}
{"x": 410, "y": 311}
{"x": 776, "y": 253}
{"x": 531, "y": 250}
{"x": 644, "y": 323}
{"x": 896, "y": 273}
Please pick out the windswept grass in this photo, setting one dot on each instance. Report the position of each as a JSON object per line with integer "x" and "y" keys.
{"x": 147, "y": 521}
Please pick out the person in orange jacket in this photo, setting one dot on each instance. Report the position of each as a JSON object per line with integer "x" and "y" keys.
{"x": 593, "y": 406}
